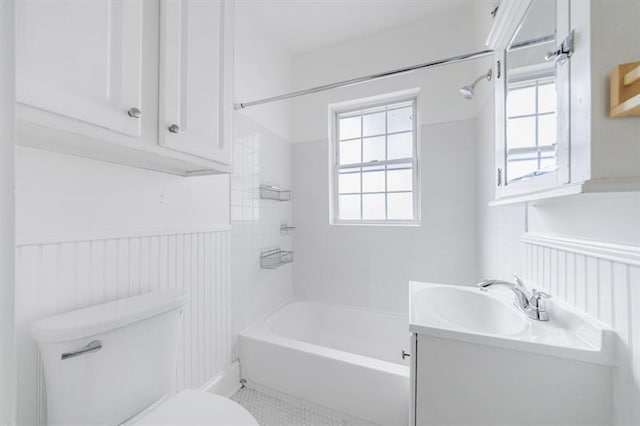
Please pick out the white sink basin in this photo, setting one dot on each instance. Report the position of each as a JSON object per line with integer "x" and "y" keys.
{"x": 490, "y": 318}
{"x": 467, "y": 310}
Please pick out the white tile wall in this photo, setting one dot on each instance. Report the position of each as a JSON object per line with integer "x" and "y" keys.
{"x": 371, "y": 265}
{"x": 58, "y": 277}
{"x": 260, "y": 157}
{"x": 606, "y": 289}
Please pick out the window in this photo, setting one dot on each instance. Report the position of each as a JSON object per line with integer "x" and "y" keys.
{"x": 375, "y": 163}
{"x": 531, "y": 128}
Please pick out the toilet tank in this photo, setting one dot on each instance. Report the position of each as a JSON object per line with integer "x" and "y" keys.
{"x": 106, "y": 363}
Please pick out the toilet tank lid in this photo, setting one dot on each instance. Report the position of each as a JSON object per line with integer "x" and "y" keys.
{"x": 107, "y": 316}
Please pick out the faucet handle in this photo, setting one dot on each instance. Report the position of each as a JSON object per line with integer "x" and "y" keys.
{"x": 541, "y": 294}
{"x": 537, "y": 307}
{"x": 519, "y": 281}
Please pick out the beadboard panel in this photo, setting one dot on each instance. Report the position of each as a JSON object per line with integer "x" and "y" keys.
{"x": 602, "y": 280}
{"x": 58, "y": 277}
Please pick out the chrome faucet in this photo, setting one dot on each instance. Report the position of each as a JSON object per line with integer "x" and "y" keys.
{"x": 529, "y": 302}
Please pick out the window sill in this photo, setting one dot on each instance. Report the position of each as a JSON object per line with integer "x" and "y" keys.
{"x": 409, "y": 224}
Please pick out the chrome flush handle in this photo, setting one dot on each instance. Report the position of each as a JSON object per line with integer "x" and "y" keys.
{"x": 93, "y": 346}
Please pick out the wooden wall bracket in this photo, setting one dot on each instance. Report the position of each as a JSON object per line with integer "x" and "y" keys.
{"x": 625, "y": 90}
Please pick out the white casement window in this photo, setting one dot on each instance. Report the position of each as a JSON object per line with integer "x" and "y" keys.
{"x": 374, "y": 162}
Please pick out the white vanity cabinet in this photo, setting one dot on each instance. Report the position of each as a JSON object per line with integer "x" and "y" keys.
{"x": 102, "y": 78}
{"x": 461, "y": 383}
{"x": 553, "y": 135}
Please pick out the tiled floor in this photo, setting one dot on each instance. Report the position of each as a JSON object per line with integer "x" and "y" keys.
{"x": 271, "y": 411}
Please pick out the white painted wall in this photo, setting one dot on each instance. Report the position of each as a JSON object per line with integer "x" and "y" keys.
{"x": 261, "y": 155}
{"x": 408, "y": 45}
{"x": 607, "y": 290}
{"x": 61, "y": 197}
{"x": 370, "y": 266}
{"x": 263, "y": 68}
{"x": 7, "y": 241}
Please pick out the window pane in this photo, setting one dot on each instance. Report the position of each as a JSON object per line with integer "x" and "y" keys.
{"x": 350, "y": 152}
{"x": 349, "y": 183}
{"x": 400, "y": 206}
{"x": 547, "y": 98}
{"x": 373, "y": 207}
{"x": 548, "y": 164}
{"x": 521, "y": 101}
{"x": 374, "y": 124}
{"x": 400, "y": 146}
{"x": 521, "y": 132}
{"x": 547, "y": 130}
{"x": 349, "y": 128}
{"x": 400, "y": 180}
{"x": 372, "y": 180}
{"x": 349, "y": 207}
{"x": 373, "y": 149}
{"x": 518, "y": 169}
{"x": 400, "y": 120}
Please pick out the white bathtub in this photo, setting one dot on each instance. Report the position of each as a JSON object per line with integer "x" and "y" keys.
{"x": 342, "y": 358}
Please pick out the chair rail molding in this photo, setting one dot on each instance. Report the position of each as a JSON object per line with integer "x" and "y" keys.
{"x": 619, "y": 253}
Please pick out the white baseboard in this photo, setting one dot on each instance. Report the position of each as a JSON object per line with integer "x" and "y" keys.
{"x": 227, "y": 383}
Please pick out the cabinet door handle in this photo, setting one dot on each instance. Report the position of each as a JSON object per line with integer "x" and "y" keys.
{"x": 134, "y": 112}
{"x": 174, "y": 128}
{"x": 405, "y": 354}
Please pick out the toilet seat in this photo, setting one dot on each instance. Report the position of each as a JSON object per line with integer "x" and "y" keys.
{"x": 192, "y": 407}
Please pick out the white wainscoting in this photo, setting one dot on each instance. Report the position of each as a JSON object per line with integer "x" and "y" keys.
{"x": 54, "y": 277}
{"x": 603, "y": 280}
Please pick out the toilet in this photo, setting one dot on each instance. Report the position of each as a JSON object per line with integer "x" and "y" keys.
{"x": 115, "y": 364}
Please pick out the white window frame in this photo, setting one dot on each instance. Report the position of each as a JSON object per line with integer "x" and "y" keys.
{"x": 335, "y": 110}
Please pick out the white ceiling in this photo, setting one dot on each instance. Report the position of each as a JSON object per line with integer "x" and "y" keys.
{"x": 307, "y": 25}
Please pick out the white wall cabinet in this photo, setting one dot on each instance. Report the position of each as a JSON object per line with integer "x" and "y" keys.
{"x": 585, "y": 151}
{"x": 106, "y": 79}
{"x": 196, "y": 78}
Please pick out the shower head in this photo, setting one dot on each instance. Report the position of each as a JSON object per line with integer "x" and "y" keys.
{"x": 467, "y": 92}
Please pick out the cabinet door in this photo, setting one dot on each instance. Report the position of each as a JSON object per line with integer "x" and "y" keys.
{"x": 195, "y": 77}
{"x": 81, "y": 59}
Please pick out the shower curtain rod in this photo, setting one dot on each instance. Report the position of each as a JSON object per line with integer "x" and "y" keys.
{"x": 364, "y": 79}
{"x": 452, "y": 60}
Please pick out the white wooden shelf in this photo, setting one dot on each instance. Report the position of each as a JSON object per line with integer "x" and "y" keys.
{"x": 588, "y": 187}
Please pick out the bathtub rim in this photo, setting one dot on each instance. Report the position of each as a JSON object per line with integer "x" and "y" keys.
{"x": 261, "y": 331}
